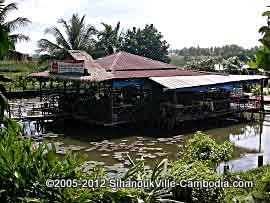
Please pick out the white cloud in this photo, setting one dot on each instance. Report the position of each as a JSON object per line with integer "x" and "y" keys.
{"x": 182, "y": 22}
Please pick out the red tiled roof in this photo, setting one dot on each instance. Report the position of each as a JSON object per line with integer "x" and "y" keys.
{"x": 126, "y": 61}
{"x": 121, "y": 65}
{"x": 126, "y": 65}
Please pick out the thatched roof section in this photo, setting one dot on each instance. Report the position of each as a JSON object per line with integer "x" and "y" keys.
{"x": 96, "y": 72}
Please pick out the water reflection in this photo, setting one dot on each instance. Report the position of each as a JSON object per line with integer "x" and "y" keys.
{"x": 253, "y": 137}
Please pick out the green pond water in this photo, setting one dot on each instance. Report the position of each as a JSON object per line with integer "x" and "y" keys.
{"x": 109, "y": 147}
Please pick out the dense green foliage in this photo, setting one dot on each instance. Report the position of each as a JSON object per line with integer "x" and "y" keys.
{"x": 146, "y": 42}
{"x": 4, "y": 42}
{"x": 262, "y": 59}
{"x": 265, "y": 31}
{"x": 259, "y": 193}
{"x": 203, "y": 148}
{"x": 25, "y": 167}
{"x": 232, "y": 65}
{"x": 195, "y": 171}
{"x": 9, "y": 27}
{"x": 203, "y": 64}
{"x": 224, "y": 51}
{"x": 198, "y": 160}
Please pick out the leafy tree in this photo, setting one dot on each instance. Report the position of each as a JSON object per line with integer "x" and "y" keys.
{"x": 11, "y": 26}
{"x": 203, "y": 148}
{"x": 265, "y": 31}
{"x": 78, "y": 36}
{"x": 262, "y": 59}
{"x": 233, "y": 65}
{"x": 146, "y": 42}
{"x": 203, "y": 64}
{"x": 198, "y": 160}
{"x": 109, "y": 40}
{"x": 224, "y": 51}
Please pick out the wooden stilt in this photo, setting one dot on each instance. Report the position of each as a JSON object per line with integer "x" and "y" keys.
{"x": 262, "y": 97}
{"x": 40, "y": 90}
{"x": 260, "y": 160}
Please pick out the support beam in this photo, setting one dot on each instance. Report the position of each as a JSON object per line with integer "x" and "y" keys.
{"x": 40, "y": 90}
{"x": 65, "y": 87}
{"x": 175, "y": 99}
{"x": 262, "y": 97}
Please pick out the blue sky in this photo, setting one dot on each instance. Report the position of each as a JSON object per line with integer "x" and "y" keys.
{"x": 183, "y": 23}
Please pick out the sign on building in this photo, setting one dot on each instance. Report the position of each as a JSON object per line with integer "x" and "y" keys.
{"x": 71, "y": 66}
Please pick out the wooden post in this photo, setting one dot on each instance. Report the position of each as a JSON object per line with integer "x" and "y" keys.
{"x": 262, "y": 97}
{"x": 260, "y": 160}
{"x": 226, "y": 169}
{"x": 78, "y": 88}
{"x": 40, "y": 90}
{"x": 51, "y": 84}
{"x": 65, "y": 86}
{"x": 261, "y": 131}
{"x": 9, "y": 111}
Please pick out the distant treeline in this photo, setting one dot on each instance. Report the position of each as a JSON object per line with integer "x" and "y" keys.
{"x": 224, "y": 51}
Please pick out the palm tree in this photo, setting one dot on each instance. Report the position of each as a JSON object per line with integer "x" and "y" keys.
{"x": 11, "y": 26}
{"x": 78, "y": 36}
{"x": 109, "y": 39}
{"x": 4, "y": 42}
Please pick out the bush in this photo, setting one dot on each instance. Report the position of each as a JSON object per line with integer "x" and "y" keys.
{"x": 196, "y": 171}
{"x": 199, "y": 159}
{"x": 258, "y": 193}
{"x": 202, "y": 148}
{"x": 24, "y": 169}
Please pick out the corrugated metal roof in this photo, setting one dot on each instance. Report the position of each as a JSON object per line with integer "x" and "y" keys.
{"x": 178, "y": 82}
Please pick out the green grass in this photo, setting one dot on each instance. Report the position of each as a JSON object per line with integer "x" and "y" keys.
{"x": 17, "y": 72}
{"x": 178, "y": 60}
{"x": 14, "y": 67}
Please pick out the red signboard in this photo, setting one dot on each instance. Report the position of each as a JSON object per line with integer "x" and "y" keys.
{"x": 67, "y": 66}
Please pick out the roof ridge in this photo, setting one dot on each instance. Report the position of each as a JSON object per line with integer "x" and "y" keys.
{"x": 115, "y": 61}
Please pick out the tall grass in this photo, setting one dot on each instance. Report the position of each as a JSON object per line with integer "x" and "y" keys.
{"x": 15, "y": 66}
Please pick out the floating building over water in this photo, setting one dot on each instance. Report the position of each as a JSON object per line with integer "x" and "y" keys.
{"x": 125, "y": 88}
